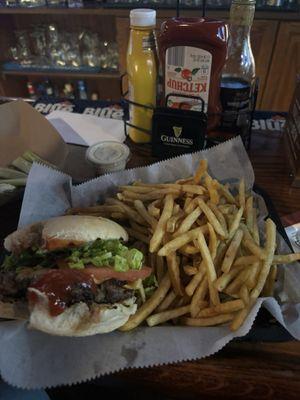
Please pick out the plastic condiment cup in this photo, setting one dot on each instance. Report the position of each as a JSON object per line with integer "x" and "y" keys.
{"x": 108, "y": 156}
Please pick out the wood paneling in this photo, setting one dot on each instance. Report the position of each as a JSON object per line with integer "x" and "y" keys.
{"x": 284, "y": 68}
{"x": 263, "y": 37}
{"x": 122, "y": 35}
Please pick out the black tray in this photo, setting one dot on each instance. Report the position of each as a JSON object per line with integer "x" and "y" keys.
{"x": 265, "y": 327}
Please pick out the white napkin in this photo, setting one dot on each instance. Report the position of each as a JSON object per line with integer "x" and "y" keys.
{"x": 85, "y": 130}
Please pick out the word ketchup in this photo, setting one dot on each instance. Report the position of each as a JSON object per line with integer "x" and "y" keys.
{"x": 193, "y": 53}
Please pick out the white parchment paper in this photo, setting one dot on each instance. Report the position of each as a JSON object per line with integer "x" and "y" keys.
{"x": 31, "y": 359}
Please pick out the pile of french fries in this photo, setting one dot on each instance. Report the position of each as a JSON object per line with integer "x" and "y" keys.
{"x": 204, "y": 246}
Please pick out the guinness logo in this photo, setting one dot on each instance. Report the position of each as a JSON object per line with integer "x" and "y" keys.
{"x": 177, "y": 130}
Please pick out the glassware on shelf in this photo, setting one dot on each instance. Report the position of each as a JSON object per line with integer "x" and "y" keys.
{"x": 70, "y": 47}
{"x": 39, "y": 45}
{"x": 75, "y": 3}
{"x": 91, "y": 50}
{"x": 47, "y": 47}
{"x": 56, "y": 3}
{"x": 10, "y": 3}
{"x": 32, "y": 3}
{"x": 23, "y": 49}
{"x": 275, "y": 3}
{"x": 113, "y": 56}
{"x": 54, "y": 46}
{"x": 14, "y": 53}
{"x": 103, "y": 55}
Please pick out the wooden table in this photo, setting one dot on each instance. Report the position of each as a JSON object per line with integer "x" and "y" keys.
{"x": 242, "y": 369}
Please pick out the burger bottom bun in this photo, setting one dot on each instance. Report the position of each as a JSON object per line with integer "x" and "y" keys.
{"x": 81, "y": 320}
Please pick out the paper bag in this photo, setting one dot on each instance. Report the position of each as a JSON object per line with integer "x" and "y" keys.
{"x": 23, "y": 128}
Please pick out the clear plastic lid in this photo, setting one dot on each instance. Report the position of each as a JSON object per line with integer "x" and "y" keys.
{"x": 108, "y": 153}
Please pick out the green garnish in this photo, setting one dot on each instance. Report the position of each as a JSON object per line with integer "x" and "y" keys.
{"x": 98, "y": 253}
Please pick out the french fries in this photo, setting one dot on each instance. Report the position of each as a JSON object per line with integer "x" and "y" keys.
{"x": 150, "y": 305}
{"x": 179, "y": 241}
{"x": 211, "y": 321}
{"x": 173, "y": 268}
{"x": 211, "y": 218}
{"x": 203, "y": 243}
{"x": 160, "y": 227}
{"x": 232, "y": 250}
{"x": 164, "y": 316}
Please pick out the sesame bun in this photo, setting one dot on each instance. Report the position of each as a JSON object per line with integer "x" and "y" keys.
{"x": 60, "y": 232}
{"x": 78, "y": 229}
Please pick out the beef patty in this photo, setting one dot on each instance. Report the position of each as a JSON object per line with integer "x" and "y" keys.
{"x": 13, "y": 285}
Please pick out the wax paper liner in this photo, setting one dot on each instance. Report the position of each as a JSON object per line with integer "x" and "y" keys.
{"x": 31, "y": 359}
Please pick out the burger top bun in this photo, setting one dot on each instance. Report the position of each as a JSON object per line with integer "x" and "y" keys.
{"x": 62, "y": 231}
{"x": 79, "y": 319}
{"x": 77, "y": 229}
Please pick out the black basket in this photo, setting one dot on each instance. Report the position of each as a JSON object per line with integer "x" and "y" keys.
{"x": 218, "y": 135}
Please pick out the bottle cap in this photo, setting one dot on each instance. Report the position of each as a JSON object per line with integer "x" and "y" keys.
{"x": 142, "y": 17}
{"x": 108, "y": 156}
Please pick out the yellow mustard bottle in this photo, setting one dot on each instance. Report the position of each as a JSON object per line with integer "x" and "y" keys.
{"x": 142, "y": 72}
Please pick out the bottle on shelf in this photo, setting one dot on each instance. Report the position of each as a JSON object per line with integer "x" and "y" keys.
{"x": 68, "y": 91}
{"x": 81, "y": 90}
{"x": 238, "y": 75}
{"x": 142, "y": 72}
{"x": 95, "y": 96}
{"x": 31, "y": 91}
{"x": 49, "y": 89}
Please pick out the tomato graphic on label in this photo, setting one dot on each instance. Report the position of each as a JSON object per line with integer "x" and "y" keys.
{"x": 187, "y": 73}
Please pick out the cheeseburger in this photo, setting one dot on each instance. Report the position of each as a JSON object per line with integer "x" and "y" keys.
{"x": 74, "y": 273}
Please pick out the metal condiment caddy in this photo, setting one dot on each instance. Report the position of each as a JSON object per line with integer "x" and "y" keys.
{"x": 173, "y": 122}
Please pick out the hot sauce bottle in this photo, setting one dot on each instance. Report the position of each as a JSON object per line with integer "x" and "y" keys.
{"x": 193, "y": 53}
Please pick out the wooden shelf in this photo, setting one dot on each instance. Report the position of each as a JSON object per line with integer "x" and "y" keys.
{"x": 161, "y": 13}
{"x": 62, "y": 74}
{"x": 64, "y": 11}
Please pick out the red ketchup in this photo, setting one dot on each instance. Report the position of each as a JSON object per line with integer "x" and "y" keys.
{"x": 193, "y": 53}
{"x": 57, "y": 285}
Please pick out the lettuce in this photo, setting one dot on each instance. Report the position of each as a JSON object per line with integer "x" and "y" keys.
{"x": 98, "y": 253}
{"x": 77, "y": 265}
{"x": 150, "y": 285}
{"x": 107, "y": 253}
{"x": 134, "y": 258}
{"x": 120, "y": 264}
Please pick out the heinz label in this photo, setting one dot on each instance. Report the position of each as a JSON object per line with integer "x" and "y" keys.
{"x": 187, "y": 72}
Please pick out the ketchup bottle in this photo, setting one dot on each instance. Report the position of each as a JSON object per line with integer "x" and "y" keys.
{"x": 193, "y": 53}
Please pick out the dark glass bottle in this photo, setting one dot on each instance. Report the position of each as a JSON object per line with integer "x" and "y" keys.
{"x": 238, "y": 75}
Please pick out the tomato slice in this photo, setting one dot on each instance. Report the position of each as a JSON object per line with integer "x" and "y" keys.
{"x": 102, "y": 274}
